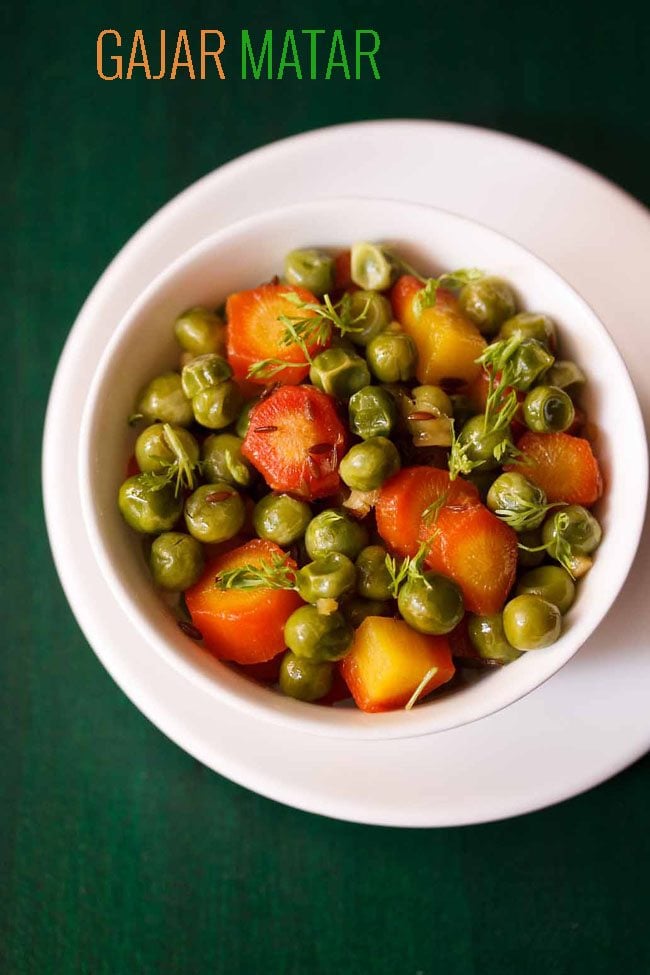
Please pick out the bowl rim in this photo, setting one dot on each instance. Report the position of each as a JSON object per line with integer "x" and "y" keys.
{"x": 252, "y": 698}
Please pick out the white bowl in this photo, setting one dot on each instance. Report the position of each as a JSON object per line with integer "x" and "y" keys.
{"x": 251, "y": 251}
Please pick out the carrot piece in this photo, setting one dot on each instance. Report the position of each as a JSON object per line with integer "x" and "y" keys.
{"x": 255, "y": 332}
{"x": 562, "y": 465}
{"x": 448, "y": 343}
{"x": 388, "y": 662}
{"x": 296, "y": 440}
{"x": 342, "y": 272}
{"x": 404, "y": 498}
{"x": 402, "y": 297}
{"x": 245, "y": 626}
{"x": 478, "y": 551}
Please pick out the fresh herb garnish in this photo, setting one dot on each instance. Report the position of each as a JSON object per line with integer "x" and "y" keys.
{"x": 156, "y": 481}
{"x": 397, "y": 572}
{"x": 305, "y": 330}
{"x": 274, "y": 574}
{"x": 420, "y": 688}
{"x": 409, "y": 567}
{"x": 498, "y": 361}
{"x": 558, "y": 547}
{"x": 454, "y": 280}
{"x": 181, "y": 469}
{"x": 459, "y": 462}
{"x": 528, "y": 516}
{"x": 430, "y": 513}
{"x": 500, "y": 408}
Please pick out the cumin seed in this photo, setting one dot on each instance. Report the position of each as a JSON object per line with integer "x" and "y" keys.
{"x": 421, "y": 415}
{"x": 218, "y": 496}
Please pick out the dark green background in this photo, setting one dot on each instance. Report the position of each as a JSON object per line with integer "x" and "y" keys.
{"x": 118, "y": 853}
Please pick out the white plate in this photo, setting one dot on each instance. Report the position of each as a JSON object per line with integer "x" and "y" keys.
{"x": 589, "y": 721}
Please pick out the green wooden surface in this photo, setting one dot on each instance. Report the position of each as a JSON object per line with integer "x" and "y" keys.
{"x": 119, "y": 854}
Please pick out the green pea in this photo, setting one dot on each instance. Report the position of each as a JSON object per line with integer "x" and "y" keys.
{"x": 552, "y": 583}
{"x": 222, "y": 460}
{"x": 573, "y": 525}
{"x": 318, "y": 636}
{"x": 488, "y": 302}
{"x": 149, "y": 505}
{"x": 427, "y": 413}
{"x": 204, "y": 372}
{"x": 530, "y": 325}
{"x": 304, "y": 679}
{"x": 244, "y": 419}
{"x": 334, "y": 531}
{"x": 481, "y": 445}
{"x": 311, "y": 269}
{"x": 217, "y": 406}
{"x": 372, "y": 267}
{"x": 513, "y": 494}
{"x": 326, "y": 578}
{"x": 530, "y": 360}
{"x": 214, "y": 512}
{"x": 154, "y": 448}
{"x": 489, "y": 640}
{"x": 200, "y": 331}
{"x": 392, "y": 357}
{"x": 339, "y": 372}
{"x": 431, "y": 603}
{"x": 367, "y": 465}
{"x": 163, "y": 400}
{"x": 371, "y": 314}
{"x": 532, "y": 540}
{"x": 373, "y": 577}
{"x": 432, "y": 399}
{"x": 531, "y": 623}
{"x": 176, "y": 561}
{"x": 563, "y": 374}
{"x": 356, "y": 609}
{"x": 548, "y": 409}
{"x": 373, "y": 412}
{"x": 281, "y": 518}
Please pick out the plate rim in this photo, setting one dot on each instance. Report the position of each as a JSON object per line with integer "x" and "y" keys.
{"x": 114, "y": 266}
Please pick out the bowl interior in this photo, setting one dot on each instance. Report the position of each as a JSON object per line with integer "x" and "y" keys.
{"x": 252, "y": 251}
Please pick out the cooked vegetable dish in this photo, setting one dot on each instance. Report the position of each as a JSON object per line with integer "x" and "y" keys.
{"x": 363, "y": 481}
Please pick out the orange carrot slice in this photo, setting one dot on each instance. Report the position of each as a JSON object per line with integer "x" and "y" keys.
{"x": 245, "y": 626}
{"x": 405, "y": 497}
{"x": 562, "y": 465}
{"x": 475, "y": 549}
{"x": 255, "y": 332}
